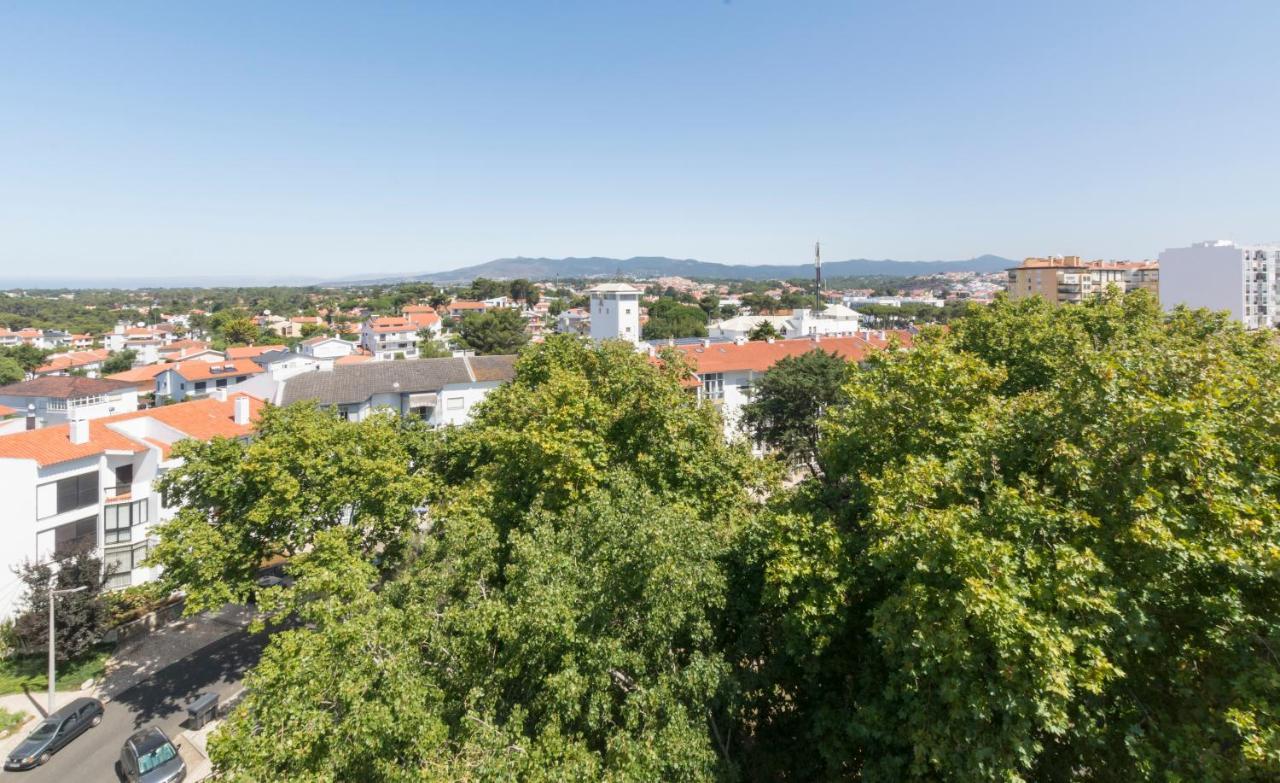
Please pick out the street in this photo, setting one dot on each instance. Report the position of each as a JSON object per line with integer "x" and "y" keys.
{"x": 160, "y": 700}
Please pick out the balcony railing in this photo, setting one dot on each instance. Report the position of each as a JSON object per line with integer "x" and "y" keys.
{"x": 117, "y": 493}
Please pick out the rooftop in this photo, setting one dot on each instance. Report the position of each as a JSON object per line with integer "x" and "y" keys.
{"x": 203, "y": 419}
{"x": 200, "y": 370}
{"x": 250, "y": 351}
{"x": 354, "y": 383}
{"x": 65, "y": 387}
{"x": 760, "y": 355}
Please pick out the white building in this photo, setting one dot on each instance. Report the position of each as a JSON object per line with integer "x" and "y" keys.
{"x": 725, "y": 371}
{"x": 1222, "y": 275}
{"x": 615, "y": 312}
{"x": 326, "y": 350}
{"x": 834, "y": 321}
{"x": 56, "y": 399}
{"x": 441, "y": 391}
{"x": 196, "y": 378}
{"x": 390, "y": 337}
{"x": 91, "y": 484}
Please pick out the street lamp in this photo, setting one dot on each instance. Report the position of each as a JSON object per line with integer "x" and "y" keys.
{"x": 52, "y": 594}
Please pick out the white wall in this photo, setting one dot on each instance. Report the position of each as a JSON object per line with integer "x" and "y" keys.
{"x": 615, "y": 316}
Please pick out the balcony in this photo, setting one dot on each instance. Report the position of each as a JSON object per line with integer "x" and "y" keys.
{"x": 118, "y": 493}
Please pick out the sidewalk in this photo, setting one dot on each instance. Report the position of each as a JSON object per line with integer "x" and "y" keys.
{"x": 133, "y": 663}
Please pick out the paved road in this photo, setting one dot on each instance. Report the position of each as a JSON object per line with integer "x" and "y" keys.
{"x": 160, "y": 700}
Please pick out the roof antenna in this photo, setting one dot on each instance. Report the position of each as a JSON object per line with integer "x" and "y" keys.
{"x": 817, "y": 277}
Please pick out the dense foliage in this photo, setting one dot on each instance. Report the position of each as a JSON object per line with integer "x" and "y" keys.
{"x": 499, "y": 331}
{"x": 79, "y": 618}
{"x": 788, "y": 402}
{"x": 669, "y": 318}
{"x": 1042, "y": 545}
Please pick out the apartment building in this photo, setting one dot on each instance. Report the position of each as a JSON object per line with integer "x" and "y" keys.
{"x": 1222, "y": 275}
{"x": 724, "y": 372}
{"x": 1071, "y": 280}
{"x": 56, "y": 399}
{"x": 441, "y": 391}
{"x": 390, "y": 337}
{"x": 196, "y": 378}
{"x": 91, "y": 484}
{"x": 88, "y": 362}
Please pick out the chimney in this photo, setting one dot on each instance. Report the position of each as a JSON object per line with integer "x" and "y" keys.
{"x": 79, "y": 431}
{"x": 242, "y": 410}
{"x": 31, "y": 415}
{"x": 817, "y": 338}
{"x": 769, "y": 340}
{"x": 706, "y": 342}
{"x": 220, "y": 394}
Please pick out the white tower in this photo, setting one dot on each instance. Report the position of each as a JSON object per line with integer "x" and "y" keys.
{"x": 615, "y": 312}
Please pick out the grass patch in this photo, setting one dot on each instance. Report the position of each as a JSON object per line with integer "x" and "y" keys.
{"x": 10, "y": 720}
{"x": 32, "y": 671}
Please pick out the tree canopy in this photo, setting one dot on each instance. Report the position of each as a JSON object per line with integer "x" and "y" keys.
{"x": 498, "y": 331}
{"x": 788, "y": 401}
{"x": 669, "y": 318}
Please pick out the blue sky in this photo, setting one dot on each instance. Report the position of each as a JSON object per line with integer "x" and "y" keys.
{"x": 345, "y": 138}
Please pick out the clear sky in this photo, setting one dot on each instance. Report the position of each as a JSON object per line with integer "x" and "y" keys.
{"x": 358, "y": 137}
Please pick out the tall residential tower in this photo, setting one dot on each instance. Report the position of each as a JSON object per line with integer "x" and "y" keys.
{"x": 1222, "y": 275}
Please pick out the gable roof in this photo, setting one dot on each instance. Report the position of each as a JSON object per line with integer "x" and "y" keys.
{"x": 144, "y": 374}
{"x": 200, "y": 370}
{"x": 250, "y": 351}
{"x": 64, "y": 387}
{"x": 760, "y": 355}
{"x": 203, "y": 419}
{"x": 492, "y": 368}
{"x": 354, "y": 383}
{"x": 390, "y": 323}
{"x": 65, "y": 361}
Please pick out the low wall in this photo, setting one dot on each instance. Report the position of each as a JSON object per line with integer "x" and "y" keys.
{"x": 136, "y": 630}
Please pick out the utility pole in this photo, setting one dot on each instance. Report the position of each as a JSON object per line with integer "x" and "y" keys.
{"x": 52, "y": 595}
{"x": 817, "y": 277}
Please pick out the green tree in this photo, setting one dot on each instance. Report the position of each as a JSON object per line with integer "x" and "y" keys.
{"x": 11, "y": 371}
{"x": 304, "y": 472}
{"x": 523, "y": 290}
{"x": 431, "y": 348}
{"x": 311, "y": 330}
{"x": 240, "y": 331}
{"x": 669, "y": 318}
{"x": 788, "y": 400}
{"x": 765, "y": 330}
{"x": 1043, "y": 549}
{"x": 563, "y": 618}
{"x": 499, "y": 331}
{"x": 80, "y": 618}
{"x": 28, "y": 357}
{"x": 119, "y": 361}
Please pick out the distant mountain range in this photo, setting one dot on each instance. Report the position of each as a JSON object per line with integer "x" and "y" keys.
{"x": 659, "y": 266}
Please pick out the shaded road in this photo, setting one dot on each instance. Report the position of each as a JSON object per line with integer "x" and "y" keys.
{"x": 160, "y": 700}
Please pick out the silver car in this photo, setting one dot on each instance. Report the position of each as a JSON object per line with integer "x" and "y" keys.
{"x": 149, "y": 757}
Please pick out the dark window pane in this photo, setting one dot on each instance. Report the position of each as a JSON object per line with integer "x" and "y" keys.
{"x": 68, "y": 495}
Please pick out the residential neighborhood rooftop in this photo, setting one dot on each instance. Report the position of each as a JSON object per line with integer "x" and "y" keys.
{"x": 65, "y": 387}
{"x": 348, "y": 384}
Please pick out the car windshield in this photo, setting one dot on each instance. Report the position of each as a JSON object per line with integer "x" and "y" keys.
{"x": 45, "y": 729}
{"x": 156, "y": 757}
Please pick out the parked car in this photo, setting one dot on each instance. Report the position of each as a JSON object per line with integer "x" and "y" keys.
{"x": 149, "y": 757}
{"x": 54, "y": 732}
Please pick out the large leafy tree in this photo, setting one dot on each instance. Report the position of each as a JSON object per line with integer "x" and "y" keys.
{"x": 564, "y": 616}
{"x": 1046, "y": 549}
{"x": 120, "y": 361}
{"x": 669, "y": 318}
{"x": 304, "y": 472}
{"x": 788, "y": 400}
{"x": 499, "y": 331}
{"x": 10, "y": 371}
{"x": 80, "y": 618}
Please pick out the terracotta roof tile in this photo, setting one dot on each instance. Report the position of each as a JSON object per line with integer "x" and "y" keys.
{"x": 760, "y": 355}
{"x": 200, "y": 370}
{"x": 250, "y": 351}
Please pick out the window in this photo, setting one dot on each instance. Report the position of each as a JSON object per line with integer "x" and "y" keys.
{"x": 76, "y": 536}
{"x": 453, "y": 404}
{"x": 200, "y": 386}
{"x": 118, "y": 521}
{"x": 713, "y": 386}
{"x": 120, "y": 564}
{"x": 67, "y": 494}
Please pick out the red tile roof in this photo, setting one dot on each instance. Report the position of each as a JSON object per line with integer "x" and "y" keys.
{"x": 760, "y": 355}
{"x": 391, "y": 324}
{"x": 5, "y": 410}
{"x": 66, "y": 361}
{"x": 200, "y": 370}
{"x": 355, "y": 358}
{"x": 203, "y": 419}
{"x": 143, "y": 374}
{"x": 250, "y": 351}
{"x": 64, "y": 387}
{"x": 465, "y": 305}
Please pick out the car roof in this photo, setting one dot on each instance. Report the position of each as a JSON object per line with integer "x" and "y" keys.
{"x": 147, "y": 740}
{"x": 74, "y": 707}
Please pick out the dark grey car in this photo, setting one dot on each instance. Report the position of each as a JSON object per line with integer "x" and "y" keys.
{"x": 54, "y": 732}
{"x": 149, "y": 757}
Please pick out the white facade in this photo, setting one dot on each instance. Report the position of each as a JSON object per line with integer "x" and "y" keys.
{"x": 615, "y": 312}
{"x": 1222, "y": 275}
{"x": 835, "y": 321}
{"x": 59, "y": 410}
{"x": 99, "y": 495}
{"x": 387, "y": 338}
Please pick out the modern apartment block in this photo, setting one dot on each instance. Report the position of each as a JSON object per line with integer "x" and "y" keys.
{"x": 390, "y": 337}
{"x": 1070, "y": 280}
{"x": 1222, "y": 275}
{"x": 90, "y": 483}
